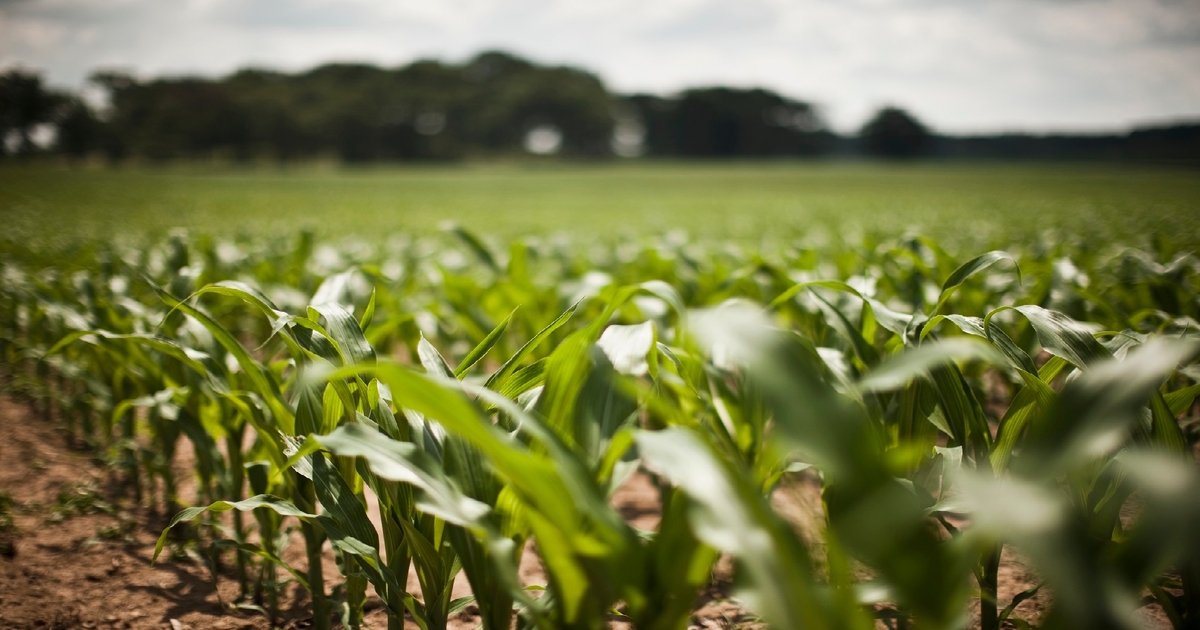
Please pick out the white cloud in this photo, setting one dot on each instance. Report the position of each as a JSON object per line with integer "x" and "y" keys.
{"x": 984, "y": 65}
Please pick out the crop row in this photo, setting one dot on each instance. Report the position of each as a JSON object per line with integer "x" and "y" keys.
{"x": 484, "y": 398}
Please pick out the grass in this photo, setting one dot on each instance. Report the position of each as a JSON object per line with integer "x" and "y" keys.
{"x": 737, "y": 200}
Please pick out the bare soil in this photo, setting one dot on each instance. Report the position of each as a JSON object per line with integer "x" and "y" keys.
{"x": 92, "y": 569}
{"x": 72, "y": 574}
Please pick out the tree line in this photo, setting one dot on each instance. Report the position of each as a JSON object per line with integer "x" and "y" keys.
{"x": 493, "y": 104}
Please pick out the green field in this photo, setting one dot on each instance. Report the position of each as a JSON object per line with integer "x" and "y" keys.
{"x": 739, "y": 200}
{"x": 861, "y": 405}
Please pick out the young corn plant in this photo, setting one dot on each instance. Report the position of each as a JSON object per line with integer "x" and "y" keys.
{"x": 948, "y": 412}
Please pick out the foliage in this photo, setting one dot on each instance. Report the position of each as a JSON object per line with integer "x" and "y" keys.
{"x": 431, "y": 110}
{"x": 24, "y": 103}
{"x": 729, "y": 122}
{"x": 358, "y": 113}
{"x": 894, "y": 133}
{"x": 484, "y": 398}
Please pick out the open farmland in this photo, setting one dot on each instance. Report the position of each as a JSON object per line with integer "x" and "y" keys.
{"x": 970, "y": 204}
{"x": 677, "y": 395}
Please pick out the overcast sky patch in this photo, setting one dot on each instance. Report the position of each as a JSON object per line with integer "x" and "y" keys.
{"x": 986, "y": 65}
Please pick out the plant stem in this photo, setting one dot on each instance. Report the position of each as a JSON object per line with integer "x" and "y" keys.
{"x": 989, "y": 614}
{"x": 314, "y": 539}
{"x": 233, "y": 444}
{"x": 398, "y": 562}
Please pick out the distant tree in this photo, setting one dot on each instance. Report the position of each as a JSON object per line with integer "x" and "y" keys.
{"x": 1171, "y": 142}
{"x": 894, "y": 133}
{"x": 513, "y": 97}
{"x": 24, "y": 103}
{"x": 173, "y": 118}
{"x": 728, "y": 122}
{"x": 655, "y": 115}
{"x": 360, "y": 112}
{"x": 364, "y": 113}
{"x": 117, "y": 87}
{"x": 495, "y": 103}
{"x": 80, "y": 132}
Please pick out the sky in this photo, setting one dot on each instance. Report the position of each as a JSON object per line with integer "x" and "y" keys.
{"x": 961, "y": 66}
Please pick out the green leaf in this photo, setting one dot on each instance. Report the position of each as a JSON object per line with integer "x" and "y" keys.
{"x": 333, "y": 289}
{"x": 404, "y": 462}
{"x": 368, "y": 313}
{"x": 1164, "y": 427}
{"x": 1059, "y": 335}
{"x": 1096, "y": 410}
{"x": 839, "y": 322}
{"x": 1181, "y": 400}
{"x": 970, "y": 268}
{"x": 524, "y": 379}
{"x": 346, "y": 332}
{"x": 533, "y": 476}
{"x": 481, "y": 350}
{"x": 976, "y": 326}
{"x": 668, "y": 294}
{"x": 460, "y": 604}
{"x": 890, "y": 320}
{"x": 902, "y": 368}
{"x": 279, "y": 506}
{"x": 497, "y": 377}
{"x": 280, "y": 320}
{"x": 265, "y": 385}
{"x": 1035, "y": 397}
{"x": 1017, "y": 600}
{"x": 340, "y": 503}
{"x": 432, "y": 360}
{"x": 197, "y": 361}
{"x": 476, "y": 246}
{"x": 730, "y": 516}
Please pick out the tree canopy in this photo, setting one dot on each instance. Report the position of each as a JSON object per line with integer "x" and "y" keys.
{"x": 493, "y": 104}
{"x": 894, "y": 133}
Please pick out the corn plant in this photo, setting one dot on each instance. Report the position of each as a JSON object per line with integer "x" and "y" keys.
{"x": 490, "y": 401}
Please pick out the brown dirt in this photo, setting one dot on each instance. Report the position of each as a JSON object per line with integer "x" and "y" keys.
{"x": 67, "y": 574}
{"x": 78, "y": 574}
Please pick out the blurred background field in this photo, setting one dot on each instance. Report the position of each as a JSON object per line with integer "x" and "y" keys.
{"x": 973, "y": 205}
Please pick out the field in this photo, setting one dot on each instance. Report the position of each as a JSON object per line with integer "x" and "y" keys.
{"x": 739, "y": 201}
{"x": 657, "y": 396}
